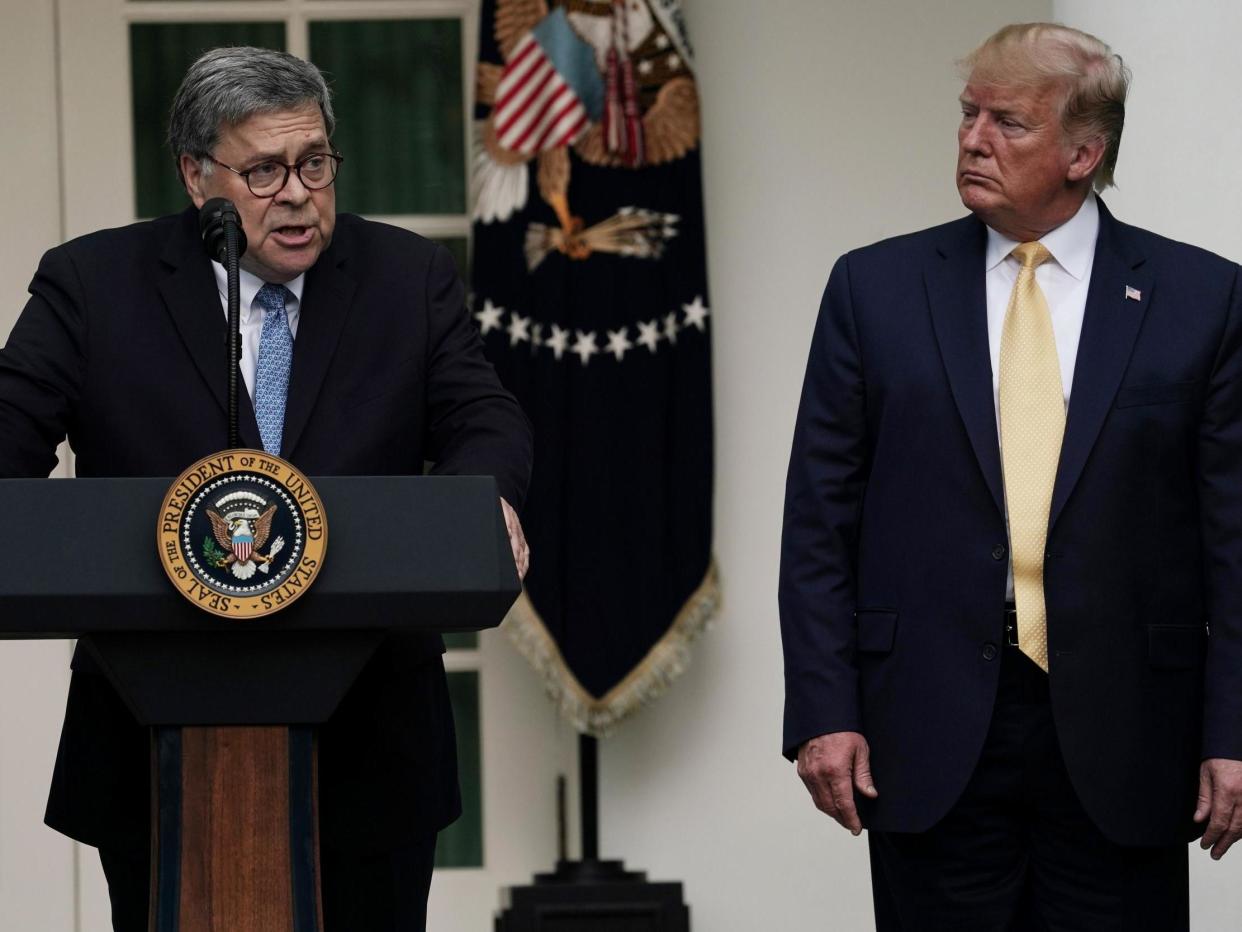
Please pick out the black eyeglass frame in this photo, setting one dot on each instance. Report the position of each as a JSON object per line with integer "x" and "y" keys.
{"x": 244, "y": 174}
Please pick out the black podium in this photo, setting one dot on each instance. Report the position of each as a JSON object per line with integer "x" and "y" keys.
{"x": 233, "y": 705}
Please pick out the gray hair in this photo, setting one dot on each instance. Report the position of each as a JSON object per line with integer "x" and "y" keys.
{"x": 226, "y": 86}
{"x": 1094, "y": 78}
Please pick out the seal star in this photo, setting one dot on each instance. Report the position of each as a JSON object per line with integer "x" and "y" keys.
{"x": 489, "y": 317}
{"x": 584, "y": 346}
{"x": 649, "y": 334}
{"x": 670, "y": 327}
{"x": 518, "y": 329}
{"x": 696, "y": 314}
{"x": 618, "y": 343}
{"x": 559, "y": 341}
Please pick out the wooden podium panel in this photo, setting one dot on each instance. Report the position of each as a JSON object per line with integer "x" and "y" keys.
{"x": 234, "y": 846}
{"x": 234, "y": 829}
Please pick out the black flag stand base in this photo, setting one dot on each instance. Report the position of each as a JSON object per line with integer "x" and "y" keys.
{"x": 592, "y": 894}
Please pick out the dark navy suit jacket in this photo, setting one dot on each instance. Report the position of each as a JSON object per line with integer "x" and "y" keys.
{"x": 894, "y": 556}
{"x": 122, "y": 347}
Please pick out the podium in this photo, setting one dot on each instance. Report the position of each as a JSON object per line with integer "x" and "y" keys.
{"x": 233, "y": 705}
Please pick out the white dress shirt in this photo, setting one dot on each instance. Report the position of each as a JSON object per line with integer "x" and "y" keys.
{"x": 1064, "y": 280}
{"x": 252, "y": 315}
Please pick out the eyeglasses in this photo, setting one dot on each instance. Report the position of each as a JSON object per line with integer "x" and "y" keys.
{"x": 267, "y": 179}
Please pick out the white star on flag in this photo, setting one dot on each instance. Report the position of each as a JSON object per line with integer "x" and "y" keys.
{"x": 649, "y": 334}
{"x": 670, "y": 327}
{"x": 585, "y": 346}
{"x": 489, "y": 317}
{"x": 559, "y": 341}
{"x": 619, "y": 343}
{"x": 696, "y": 314}
{"x": 519, "y": 328}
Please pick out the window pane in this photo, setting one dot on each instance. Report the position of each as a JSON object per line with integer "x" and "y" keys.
{"x": 463, "y": 640}
{"x": 461, "y": 844}
{"x": 397, "y": 89}
{"x": 159, "y": 54}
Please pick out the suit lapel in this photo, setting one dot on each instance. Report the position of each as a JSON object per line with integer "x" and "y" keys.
{"x": 1110, "y": 325}
{"x": 956, "y": 293}
{"x": 326, "y": 302}
{"x": 193, "y": 301}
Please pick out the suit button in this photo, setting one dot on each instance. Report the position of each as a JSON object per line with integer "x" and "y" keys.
{"x": 989, "y": 651}
{"x": 998, "y": 552}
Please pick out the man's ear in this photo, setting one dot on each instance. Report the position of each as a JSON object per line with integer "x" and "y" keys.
{"x": 1086, "y": 160}
{"x": 193, "y": 177}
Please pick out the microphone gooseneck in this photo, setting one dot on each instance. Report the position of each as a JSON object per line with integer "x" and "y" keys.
{"x": 225, "y": 241}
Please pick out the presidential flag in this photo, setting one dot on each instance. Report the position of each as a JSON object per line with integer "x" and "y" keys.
{"x": 590, "y": 290}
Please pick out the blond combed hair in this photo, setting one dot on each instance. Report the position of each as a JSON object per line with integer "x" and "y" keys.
{"x": 1094, "y": 77}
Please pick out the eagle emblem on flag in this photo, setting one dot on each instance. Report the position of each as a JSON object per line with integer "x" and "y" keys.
{"x": 242, "y": 529}
{"x": 610, "y": 81}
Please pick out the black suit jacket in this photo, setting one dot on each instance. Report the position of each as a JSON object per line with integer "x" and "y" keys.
{"x": 122, "y": 348}
{"x": 894, "y": 551}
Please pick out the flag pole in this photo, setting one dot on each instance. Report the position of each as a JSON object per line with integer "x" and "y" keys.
{"x": 588, "y": 778}
{"x": 590, "y": 893}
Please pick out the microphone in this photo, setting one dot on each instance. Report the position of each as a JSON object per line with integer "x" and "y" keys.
{"x": 213, "y": 218}
{"x": 221, "y": 229}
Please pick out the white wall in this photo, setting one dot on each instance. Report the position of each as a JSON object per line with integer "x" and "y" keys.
{"x": 36, "y": 865}
{"x": 827, "y": 126}
{"x": 1181, "y": 153}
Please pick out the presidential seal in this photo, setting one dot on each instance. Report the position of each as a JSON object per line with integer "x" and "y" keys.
{"x": 242, "y": 534}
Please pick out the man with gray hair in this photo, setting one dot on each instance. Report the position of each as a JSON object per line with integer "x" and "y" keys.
{"x": 1011, "y": 574}
{"x": 358, "y": 358}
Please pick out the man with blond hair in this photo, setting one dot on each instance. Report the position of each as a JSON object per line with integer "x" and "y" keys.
{"x": 1011, "y": 575}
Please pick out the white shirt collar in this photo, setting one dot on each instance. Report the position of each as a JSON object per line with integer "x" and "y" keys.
{"x": 249, "y": 285}
{"x": 1072, "y": 244}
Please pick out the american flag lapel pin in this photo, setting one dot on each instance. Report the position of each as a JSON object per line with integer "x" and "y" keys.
{"x": 1133, "y": 294}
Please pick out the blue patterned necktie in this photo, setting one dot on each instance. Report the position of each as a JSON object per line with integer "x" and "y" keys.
{"x": 271, "y": 378}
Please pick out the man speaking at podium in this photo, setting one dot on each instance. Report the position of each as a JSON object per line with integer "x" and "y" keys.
{"x": 1011, "y": 580}
{"x": 359, "y": 358}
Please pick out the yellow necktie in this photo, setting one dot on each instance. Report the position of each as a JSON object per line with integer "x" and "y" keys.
{"x": 1032, "y": 425}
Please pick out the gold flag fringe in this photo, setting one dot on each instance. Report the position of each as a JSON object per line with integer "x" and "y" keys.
{"x": 666, "y": 661}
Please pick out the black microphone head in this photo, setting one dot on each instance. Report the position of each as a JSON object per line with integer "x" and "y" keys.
{"x": 212, "y": 218}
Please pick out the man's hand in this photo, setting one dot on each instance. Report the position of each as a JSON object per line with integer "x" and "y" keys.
{"x": 517, "y": 540}
{"x": 832, "y": 766}
{"x": 1220, "y": 804}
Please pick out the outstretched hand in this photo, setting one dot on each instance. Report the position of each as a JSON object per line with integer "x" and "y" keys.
{"x": 832, "y": 766}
